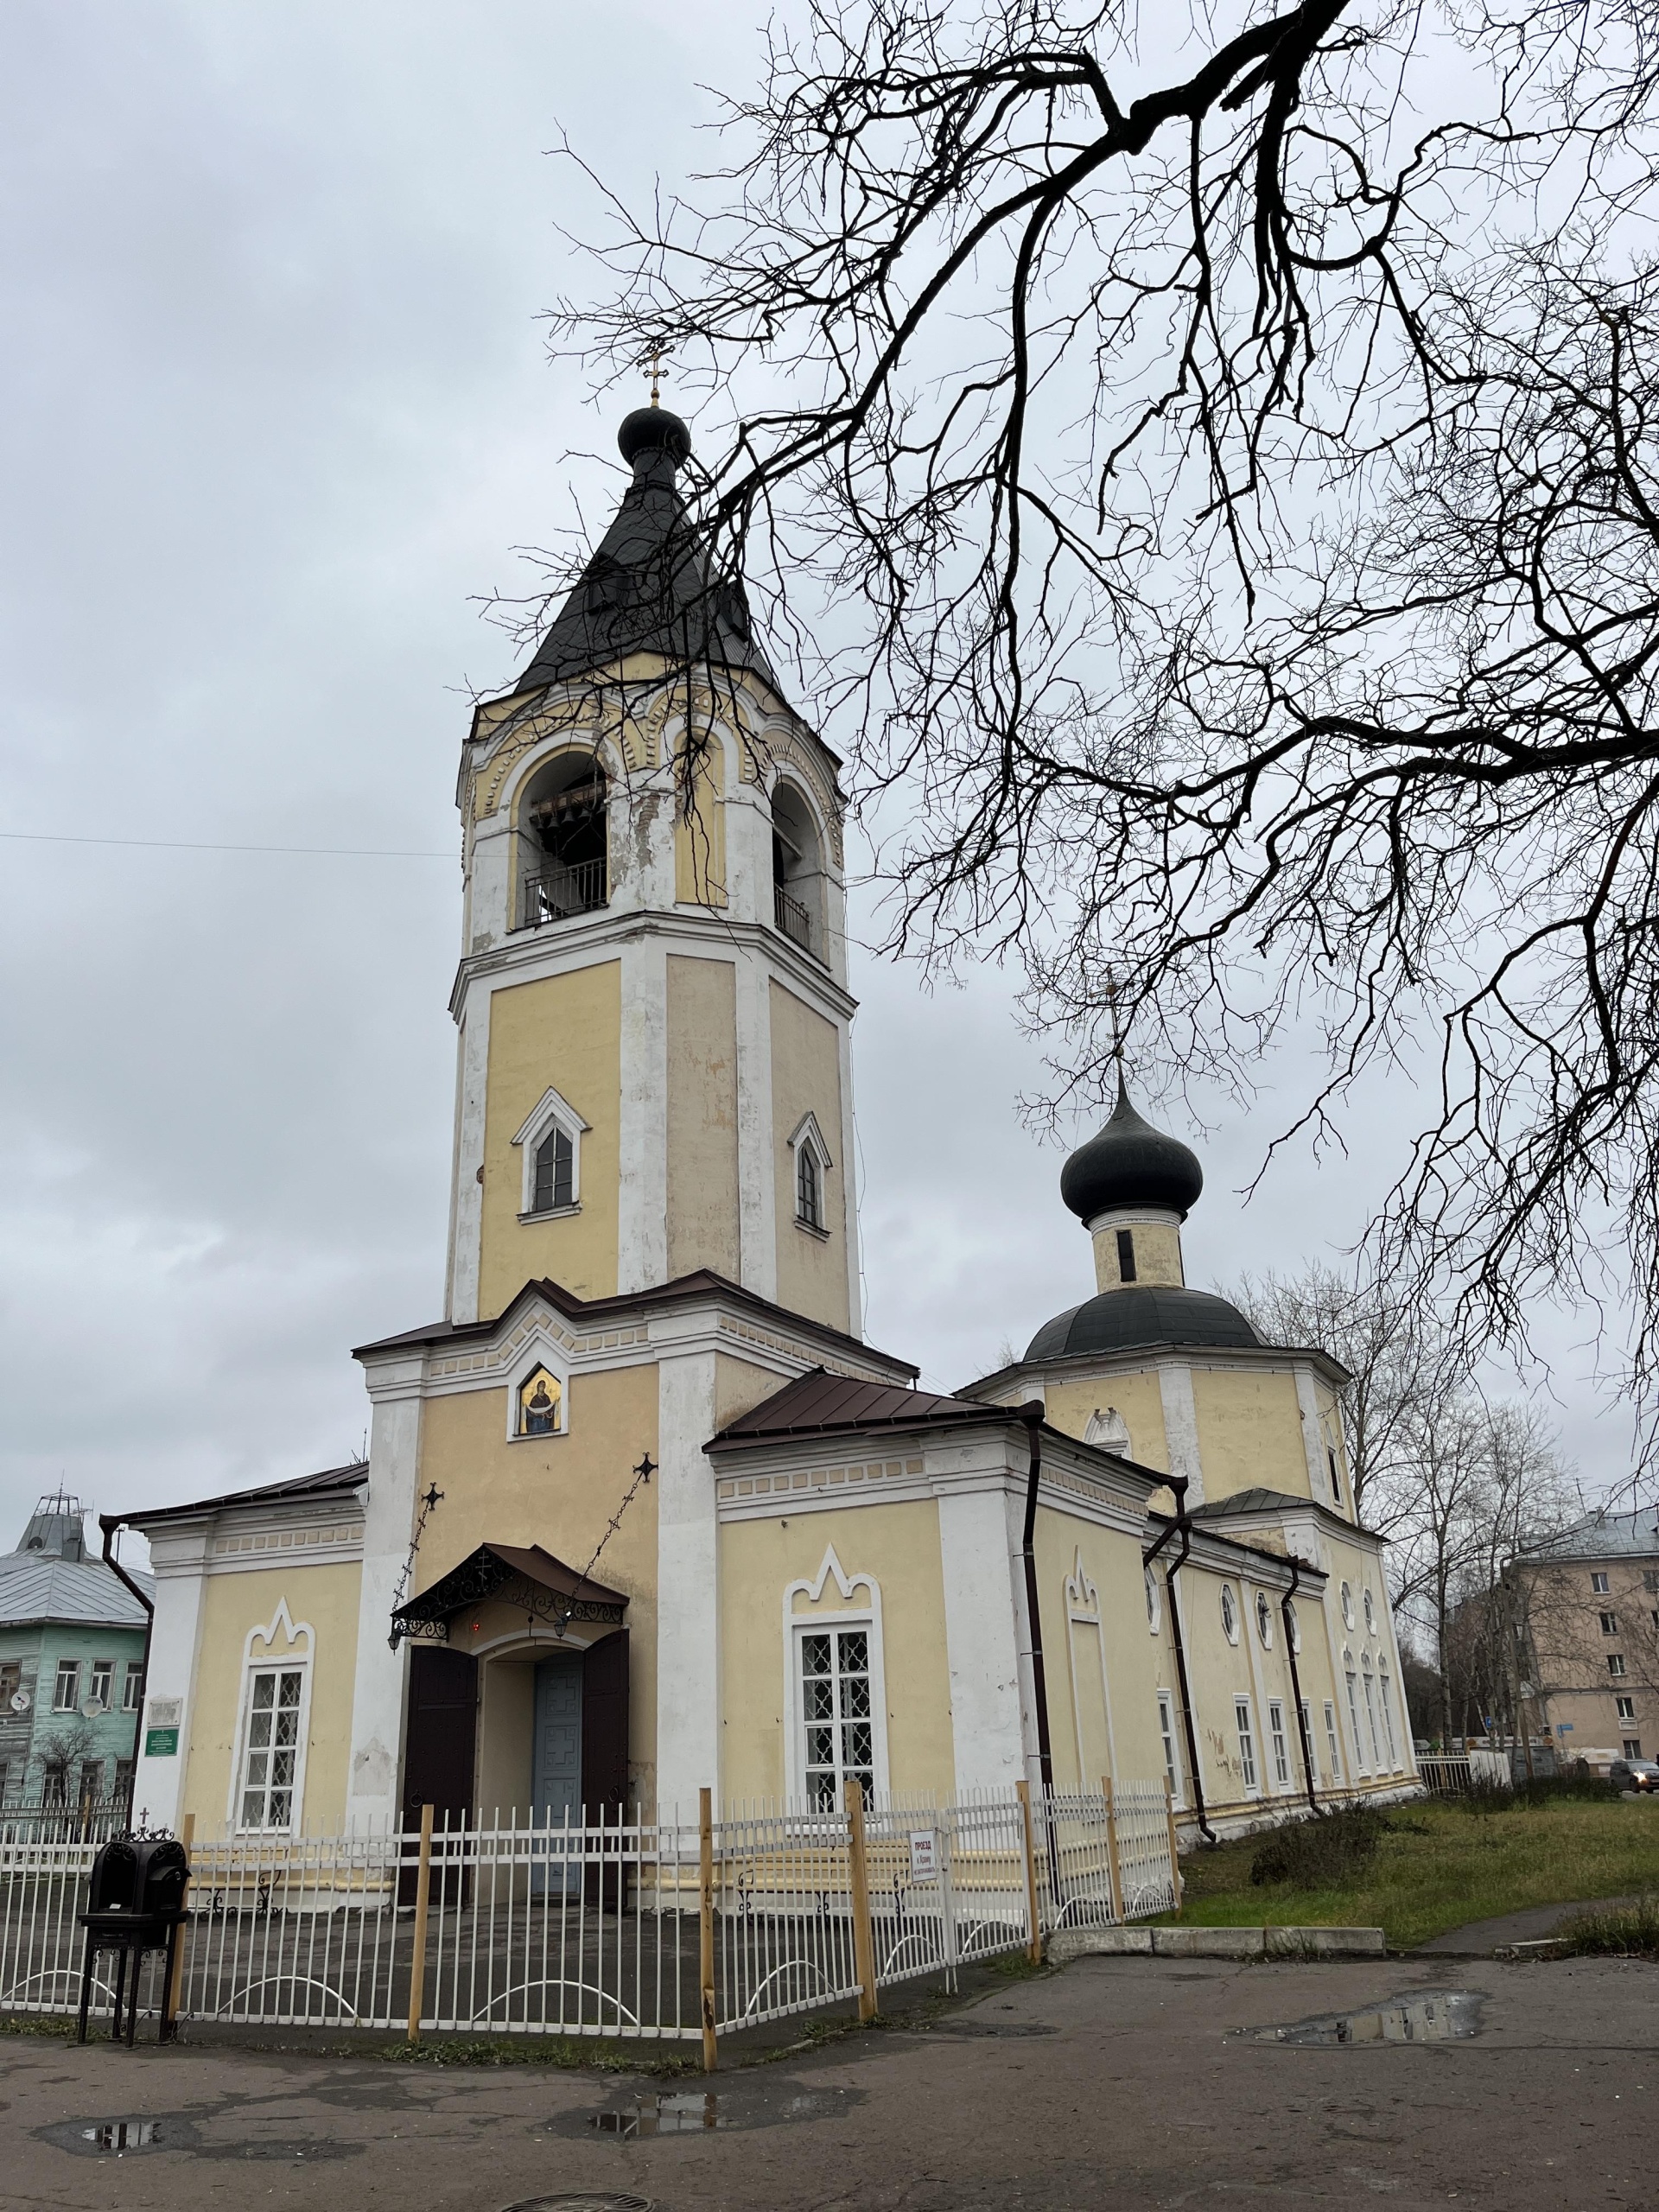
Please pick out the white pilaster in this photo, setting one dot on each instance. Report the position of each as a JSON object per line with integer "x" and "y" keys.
{"x": 179, "y": 1560}
{"x": 849, "y": 1187}
{"x": 467, "y": 1200}
{"x": 1181, "y": 1427}
{"x": 687, "y": 1588}
{"x": 1307, "y": 1404}
{"x": 371, "y": 1794}
{"x": 992, "y": 1705}
{"x": 642, "y": 1192}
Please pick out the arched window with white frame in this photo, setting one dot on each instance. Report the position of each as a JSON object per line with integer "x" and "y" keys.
{"x": 562, "y": 839}
{"x": 797, "y": 870}
{"x": 267, "y": 1774}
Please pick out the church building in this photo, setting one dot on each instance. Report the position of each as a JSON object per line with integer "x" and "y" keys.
{"x": 643, "y": 1512}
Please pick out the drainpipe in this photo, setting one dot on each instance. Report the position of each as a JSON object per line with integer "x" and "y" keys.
{"x": 1033, "y": 1415}
{"x": 1285, "y": 1615}
{"x": 109, "y": 1522}
{"x": 1181, "y": 1525}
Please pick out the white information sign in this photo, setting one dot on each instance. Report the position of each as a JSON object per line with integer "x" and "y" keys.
{"x": 924, "y": 1855}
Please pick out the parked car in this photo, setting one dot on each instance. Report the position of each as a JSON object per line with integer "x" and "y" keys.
{"x": 1634, "y": 1774}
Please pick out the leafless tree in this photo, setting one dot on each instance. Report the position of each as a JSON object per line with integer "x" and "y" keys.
{"x": 1211, "y": 473}
{"x": 1382, "y": 1335}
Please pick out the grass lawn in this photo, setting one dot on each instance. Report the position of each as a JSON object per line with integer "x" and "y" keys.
{"x": 1441, "y": 1865}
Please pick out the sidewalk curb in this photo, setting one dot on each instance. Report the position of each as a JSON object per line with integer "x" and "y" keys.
{"x": 1217, "y": 1943}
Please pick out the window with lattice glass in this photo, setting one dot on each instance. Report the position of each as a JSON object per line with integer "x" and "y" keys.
{"x": 555, "y": 1172}
{"x": 270, "y": 1761}
{"x": 837, "y": 1713}
{"x": 809, "y": 1187}
{"x": 1280, "y": 1744}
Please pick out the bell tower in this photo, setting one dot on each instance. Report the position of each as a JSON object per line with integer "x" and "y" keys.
{"x": 655, "y": 1070}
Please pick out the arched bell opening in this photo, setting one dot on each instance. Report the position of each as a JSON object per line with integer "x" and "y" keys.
{"x": 797, "y": 870}
{"x": 563, "y": 864}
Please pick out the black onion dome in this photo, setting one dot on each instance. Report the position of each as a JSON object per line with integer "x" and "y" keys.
{"x": 1142, "y": 1313}
{"x": 653, "y": 429}
{"x": 1130, "y": 1164}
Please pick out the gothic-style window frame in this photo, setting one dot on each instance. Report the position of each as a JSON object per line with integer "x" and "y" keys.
{"x": 806, "y": 1145}
{"x": 283, "y": 1646}
{"x": 551, "y": 1112}
{"x": 859, "y": 1608}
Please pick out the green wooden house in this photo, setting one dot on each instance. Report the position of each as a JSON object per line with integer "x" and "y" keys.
{"x": 71, "y": 1657}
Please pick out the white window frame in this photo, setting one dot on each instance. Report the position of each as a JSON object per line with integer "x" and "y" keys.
{"x": 1333, "y": 1742}
{"x": 1168, "y": 1728}
{"x": 1279, "y": 1743}
{"x": 1625, "y": 1708}
{"x": 1245, "y": 1726}
{"x": 1369, "y": 1681}
{"x": 1350, "y": 1677}
{"x": 1348, "y": 1607}
{"x": 1382, "y": 1691}
{"x": 69, "y": 1670}
{"x": 1294, "y": 1618}
{"x": 853, "y": 1612}
{"x": 1154, "y": 1603}
{"x": 1598, "y": 1586}
{"x": 262, "y": 1653}
{"x": 1615, "y": 1665}
{"x": 106, "y": 1668}
{"x": 806, "y": 1135}
{"x": 1368, "y": 1604}
{"x": 1228, "y": 1605}
{"x": 550, "y": 1111}
{"x": 132, "y": 1688}
{"x": 1263, "y": 1610}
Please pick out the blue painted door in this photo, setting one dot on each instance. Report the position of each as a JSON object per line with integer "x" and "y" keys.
{"x": 556, "y": 1766}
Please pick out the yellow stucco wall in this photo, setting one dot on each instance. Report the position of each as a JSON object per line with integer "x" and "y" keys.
{"x": 700, "y": 831}
{"x": 1072, "y": 1654}
{"x": 564, "y": 1031}
{"x": 557, "y": 1491}
{"x": 1136, "y": 1398}
{"x": 1157, "y": 1254}
{"x": 1250, "y": 1431}
{"x": 323, "y": 1599}
{"x": 701, "y": 1108}
{"x": 899, "y": 1545}
{"x": 740, "y": 1386}
{"x": 806, "y": 1077}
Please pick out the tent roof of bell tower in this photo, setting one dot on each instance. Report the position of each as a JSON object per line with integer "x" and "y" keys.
{"x": 647, "y": 588}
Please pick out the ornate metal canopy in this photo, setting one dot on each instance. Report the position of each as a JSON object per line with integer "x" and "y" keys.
{"x": 529, "y": 1579}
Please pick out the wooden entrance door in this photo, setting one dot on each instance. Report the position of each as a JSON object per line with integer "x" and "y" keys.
{"x": 439, "y": 1742}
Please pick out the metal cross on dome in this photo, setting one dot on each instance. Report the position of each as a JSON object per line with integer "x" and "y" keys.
{"x": 653, "y": 370}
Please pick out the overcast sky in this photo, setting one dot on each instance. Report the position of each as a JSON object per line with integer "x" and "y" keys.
{"x": 276, "y": 411}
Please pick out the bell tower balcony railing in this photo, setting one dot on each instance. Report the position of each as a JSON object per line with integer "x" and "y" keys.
{"x": 556, "y": 892}
{"x": 792, "y": 918}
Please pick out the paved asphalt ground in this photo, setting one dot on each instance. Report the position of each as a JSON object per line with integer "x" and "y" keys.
{"x": 1116, "y": 2083}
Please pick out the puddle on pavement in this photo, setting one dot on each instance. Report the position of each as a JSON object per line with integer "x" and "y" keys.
{"x": 1429, "y": 2016}
{"x": 697, "y": 2111}
{"x": 120, "y": 2138}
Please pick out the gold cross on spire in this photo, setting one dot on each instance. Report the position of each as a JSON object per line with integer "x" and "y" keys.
{"x": 654, "y": 371}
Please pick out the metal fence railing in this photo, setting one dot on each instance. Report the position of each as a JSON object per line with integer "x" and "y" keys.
{"x": 632, "y": 1929}
{"x": 562, "y": 889}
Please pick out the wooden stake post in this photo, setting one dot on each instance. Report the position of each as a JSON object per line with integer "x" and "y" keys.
{"x": 1174, "y": 1851}
{"x": 423, "y": 1898}
{"x": 863, "y": 1928}
{"x": 1113, "y": 1868}
{"x": 706, "y": 1923}
{"x": 1034, "y": 1948}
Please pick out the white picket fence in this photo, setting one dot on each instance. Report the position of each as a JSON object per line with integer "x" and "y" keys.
{"x": 669, "y": 1929}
